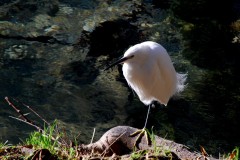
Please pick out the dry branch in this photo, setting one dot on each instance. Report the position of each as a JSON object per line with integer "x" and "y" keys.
{"x": 23, "y": 117}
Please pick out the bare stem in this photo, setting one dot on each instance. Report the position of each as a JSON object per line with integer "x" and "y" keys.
{"x": 38, "y": 128}
{"x": 31, "y": 110}
{"x": 19, "y": 112}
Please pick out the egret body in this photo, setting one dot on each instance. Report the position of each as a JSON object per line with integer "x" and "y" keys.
{"x": 149, "y": 71}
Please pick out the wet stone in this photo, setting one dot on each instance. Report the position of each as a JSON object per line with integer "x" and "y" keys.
{"x": 16, "y": 52}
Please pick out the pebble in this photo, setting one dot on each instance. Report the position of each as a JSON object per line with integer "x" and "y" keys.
{"x": 16, "y": 52}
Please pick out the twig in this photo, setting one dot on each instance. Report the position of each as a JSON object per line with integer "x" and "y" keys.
{"x": 39, "y": 129}
{"x": 31, "y": 110}
{"x": 24, "y": 119}
{"x": 19, "y": 112}
{"x": 93, "y": 135}
{"x": 31, "y": 124}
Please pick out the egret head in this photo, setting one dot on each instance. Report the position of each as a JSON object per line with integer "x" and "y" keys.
{"x": 134, "y": 55}
{"x": 139, "y": 54}
{"x": 121, "y": 60}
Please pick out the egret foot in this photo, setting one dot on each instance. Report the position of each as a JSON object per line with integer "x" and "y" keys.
{"x": 141, "y": 133}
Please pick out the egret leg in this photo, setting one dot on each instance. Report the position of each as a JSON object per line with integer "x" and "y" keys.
{"x": 142, "y": 132}
{"x": 149, "y": 106}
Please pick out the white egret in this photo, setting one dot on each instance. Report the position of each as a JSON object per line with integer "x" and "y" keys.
{"x": 149, "y": 71}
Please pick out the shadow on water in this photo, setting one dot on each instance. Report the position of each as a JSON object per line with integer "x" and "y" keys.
{"x": 112, "y": 38}
{"x": 80, "y": 72}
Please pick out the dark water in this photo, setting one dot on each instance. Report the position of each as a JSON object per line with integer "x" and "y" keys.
{"x": 52, "y": 60}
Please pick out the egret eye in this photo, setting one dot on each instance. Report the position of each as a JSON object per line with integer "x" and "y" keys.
{"x": 131, "y": 56}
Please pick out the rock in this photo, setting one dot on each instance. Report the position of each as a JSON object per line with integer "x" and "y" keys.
{"x": 118, "y": 141}
{"x": 16, "y": 52}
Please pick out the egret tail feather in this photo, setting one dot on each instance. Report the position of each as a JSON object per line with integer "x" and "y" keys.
{"x": 181, "y": 79}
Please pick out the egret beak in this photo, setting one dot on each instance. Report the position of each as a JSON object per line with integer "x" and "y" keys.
{"x": 121, "y": 60}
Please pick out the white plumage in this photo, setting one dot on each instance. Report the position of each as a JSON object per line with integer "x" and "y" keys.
{"x": 149, "y": 71}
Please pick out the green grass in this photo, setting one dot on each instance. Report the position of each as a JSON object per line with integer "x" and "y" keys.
{"x": 234, "y": 155}
{"x": 3, "y": 144}
{"x": 48, "y": 139}
{"x": 58, "y": 144}
{"x": 156, "y": 151}
{"x": 54, "y": 141}
{"x": 138, "y": 154}
{"x": 159, "y": 150}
